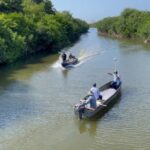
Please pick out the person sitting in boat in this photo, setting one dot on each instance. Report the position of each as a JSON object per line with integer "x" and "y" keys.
{"x": 64, "y": 57}
{"x": 71, "y": 57}
{"x": 88, "y": 101}
{"x": 96, "y": 92}
{"x": 116, "y": 80}
{"x": 91, "y": 100}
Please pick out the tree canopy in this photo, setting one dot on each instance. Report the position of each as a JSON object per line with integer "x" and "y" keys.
{"x": 131, "y": 23}
{"x": 29, "y": 26}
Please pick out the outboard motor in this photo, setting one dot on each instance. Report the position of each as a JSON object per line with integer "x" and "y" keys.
{"x": 79, "y": 109}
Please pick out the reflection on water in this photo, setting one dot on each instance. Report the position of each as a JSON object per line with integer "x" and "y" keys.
{"x": 37, "y": 99}
{"x": 87, "y": 126}
{"x": 65, "y": 73}
{"x": 24, "y": 70}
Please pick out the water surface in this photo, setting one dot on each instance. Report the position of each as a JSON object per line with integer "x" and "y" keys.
{"x": 37, "y": 99}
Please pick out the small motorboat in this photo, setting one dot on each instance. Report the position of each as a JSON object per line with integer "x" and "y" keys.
{"x": 70, "y": 63}
{"x": 109, "y": 96}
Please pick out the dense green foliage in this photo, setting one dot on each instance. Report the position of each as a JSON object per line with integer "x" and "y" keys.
{"x": 131, "y": 24}
{"x": 29, "y": 26}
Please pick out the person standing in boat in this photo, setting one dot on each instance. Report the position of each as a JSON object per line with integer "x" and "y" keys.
{"x": 116, "y": 80}
{"x": 96, "y": 92}
{"x": 89, "y": 102}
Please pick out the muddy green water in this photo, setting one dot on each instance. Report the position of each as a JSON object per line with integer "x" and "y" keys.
{"x": 37, "y": 99}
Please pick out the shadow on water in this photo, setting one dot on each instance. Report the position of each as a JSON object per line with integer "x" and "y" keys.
{"x": 65, "y": 73}
{"x": 129, "y": 43}
{"x": 26, "y": 67}
{"x": 133, "y": 45}
{"x": 87, "y": 126}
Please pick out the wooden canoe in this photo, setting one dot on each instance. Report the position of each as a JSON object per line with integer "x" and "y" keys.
{"x": 109, "y": 95}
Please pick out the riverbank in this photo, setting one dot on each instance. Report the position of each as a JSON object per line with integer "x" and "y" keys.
{"x": 120, "y": 37}
{"x": 131, "y": 24}
{"x": 34, "y": 116}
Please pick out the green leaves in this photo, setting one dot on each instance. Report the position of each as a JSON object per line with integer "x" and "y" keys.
{"x": 36, "y": 28}
{"x": 11, "y": 44}
{"x": 131, "y": 24}
{"x": 9, "y": 6}
{"x": 144, "y": 31}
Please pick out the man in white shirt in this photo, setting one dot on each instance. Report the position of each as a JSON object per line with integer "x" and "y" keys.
{"x": 116, "y": 80}
{"x": 96, "y": 92}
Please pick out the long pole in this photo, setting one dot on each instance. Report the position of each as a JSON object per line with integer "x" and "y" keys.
{"x": 115, "y": 60}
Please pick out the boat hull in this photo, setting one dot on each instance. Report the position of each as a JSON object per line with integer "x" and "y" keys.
{"x": 71, "y": 64}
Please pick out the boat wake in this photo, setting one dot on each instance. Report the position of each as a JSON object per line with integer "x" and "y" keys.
{"x": 83, "y": 57}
